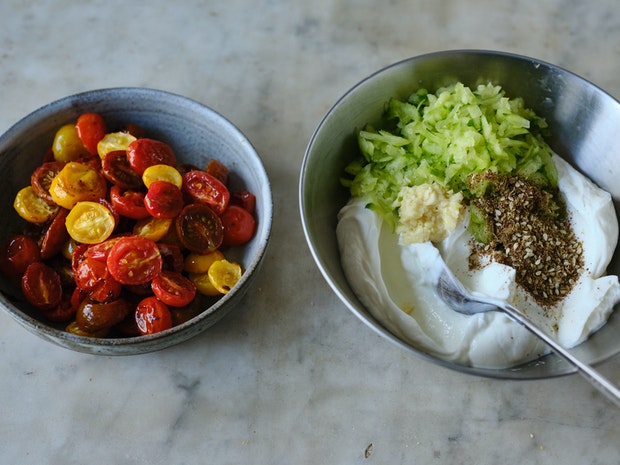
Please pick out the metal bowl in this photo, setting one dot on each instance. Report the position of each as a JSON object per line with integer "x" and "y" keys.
{"x": 196, "y": 133}
{"x": 584, "y": 122}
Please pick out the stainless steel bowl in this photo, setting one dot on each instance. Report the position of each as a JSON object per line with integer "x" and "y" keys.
{"x": 583, "y": 119}
{"x": 196, "y": 133}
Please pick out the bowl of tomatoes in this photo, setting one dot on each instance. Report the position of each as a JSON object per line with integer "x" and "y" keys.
{"x": 134, "y": 220}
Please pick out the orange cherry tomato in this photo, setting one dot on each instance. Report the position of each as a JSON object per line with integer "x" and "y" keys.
{"x": 41, "y": 286}
{"x": 152, "y": 316}
{"x": 134, "y": 260}
{"x": 239, "y": 225}
{"x": 77, "y": 182}
{"x": 201, "y": 187}
{"x": 145, "y": 152}
{"x": 173, "y": 289}
{"x": 91, "y": 128}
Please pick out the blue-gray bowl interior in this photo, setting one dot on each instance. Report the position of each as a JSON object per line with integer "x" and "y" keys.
{"x": 584, "y": 122}
{"x": 196, "y": 133}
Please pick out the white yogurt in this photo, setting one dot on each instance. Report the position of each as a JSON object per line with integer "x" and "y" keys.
{"x": 393, "y": 281}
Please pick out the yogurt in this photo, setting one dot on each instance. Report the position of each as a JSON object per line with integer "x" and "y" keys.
{"x": 394, "y": 282}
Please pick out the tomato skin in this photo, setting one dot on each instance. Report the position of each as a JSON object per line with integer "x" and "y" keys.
{"x": 239, "y": 225}
{"x": 201, "y": 187}
{"x": 163, "y": 200}
{"x": 55, "y": 235}
{"x": 173, "y": 289}
{"x": 115, "y": 168}
{"x": 145, "y": 152}
{"x": 17, "y": 253}
{"x": 128, "y": 203}
{"x": 152, "y": 316}
{"x": 134, "y": 260}
{"x": 244, "y": 199}
{"x": 41, "y": 179}
{"x": 199, "y": 228}
{"x": 41, "y": 286}
{"x": 94, "y": 316}
{"x": 91, "y": 128}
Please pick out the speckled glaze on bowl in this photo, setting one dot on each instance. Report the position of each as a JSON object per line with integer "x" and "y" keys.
{"x": 196, "y": 133}
{"x": 584, "y": 121}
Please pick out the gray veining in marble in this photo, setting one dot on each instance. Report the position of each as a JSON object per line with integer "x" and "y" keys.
{"x": 290, "y": 376}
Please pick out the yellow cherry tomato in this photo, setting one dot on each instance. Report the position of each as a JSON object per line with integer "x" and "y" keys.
{"x": 224, "y": 275}
{"x": 90, "y": 222}
{"x": 67, "y": 145}
{"x": 200, "y": 263}
{"x": 77, "y": 182}
{"x": 114, "y": 141}
{"x": 33, "y": 208}
{"x": 203, "y": 284}
{"x": 152, "y": 228}
{"x": 162, "y": 173}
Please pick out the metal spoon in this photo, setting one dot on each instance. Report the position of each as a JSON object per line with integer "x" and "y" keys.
{"x": 454, "y": 294}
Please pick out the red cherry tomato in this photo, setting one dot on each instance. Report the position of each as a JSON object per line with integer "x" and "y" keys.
{"x": 201, "y": 187}
{"x": 172, "y": 257}
{"x": 134, "y": 260}
{"x": 218, "y": 170}
{"x": 93, "y": 278}
{"x": 128, "y": 203}
{"x": 55, "y": 236}
{"x": 41, "y": 179}
{"x": 41, "y": 286}
{"x": 153, "y": 316}
{"x": 239, "y": 225}
{"x": 145, "y": 152}
{"x": 65, "y": 311}
{"x": 95, "y": 316}
{"x": 163, "y": 200}
{"x": 17, "y": 253}
{"x": 244, "y": 199}
{"x": 90, "y": 129}
{"x": 199, "y": 228}
{"x": 173, "y": 289}
{"x": 116, "y": 169}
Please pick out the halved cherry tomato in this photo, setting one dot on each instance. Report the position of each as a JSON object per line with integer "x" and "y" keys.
{"x": 77, "y": 182}
{"x": 114, "y": 141}
{"x": 224, "y": 275}
{"x": 145, "y": 152}
{"x": 163, "y": 200}
{"x": 218, "y": 170}
{"x": 197, "y": 263}
{"x": 152, "y": 316}
{"x": 199, "y": 228}
{"x": 172, "y": 257}
{"x": 41, "y": 179}
{"x": 95, "y": 316}
{"x": 203, "y": 188}
{"x": 55, "y": 235}
{"x": 239, "y": 225}
{"x": 93, "y": 278}
{"x": 17, "y": 253}
{"x": 67, "y": 145}
{"x": 101, "y": 251}
{"x": 162, "y": 173}
{"x": 73, "y": 328}
{"x": 152, "y": 228}
{"x": 115, "y": 168}
{"x": 134, "y": 260}
{"x": 203, "y": 284}
{"x": 33, "y": 208}
{"x": 64, "y": 311}
{"x": 41, "y": 286}
{"x": 173, "y": 289}
{"x": 244, "y": 199}
{"x": 91, "y": 128}
{"x": 90, "y": 222}
{"x": 128, "y": 203}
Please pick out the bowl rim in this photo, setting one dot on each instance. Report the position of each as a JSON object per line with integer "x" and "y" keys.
{"x": 191, "y": 327}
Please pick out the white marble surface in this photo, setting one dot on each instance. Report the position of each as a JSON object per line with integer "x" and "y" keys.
{"x": 290, "y": 376}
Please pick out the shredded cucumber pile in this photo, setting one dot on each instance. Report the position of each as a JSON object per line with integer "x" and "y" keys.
{"x": 446, "y": 138}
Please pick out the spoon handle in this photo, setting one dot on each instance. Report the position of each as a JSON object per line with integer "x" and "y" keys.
{"x": 593, "y": 376}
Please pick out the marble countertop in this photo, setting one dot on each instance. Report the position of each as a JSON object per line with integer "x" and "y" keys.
{"x": 291, "y": 376}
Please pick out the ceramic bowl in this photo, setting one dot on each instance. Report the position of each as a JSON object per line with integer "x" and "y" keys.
{"x": 583, "y": 120}
{"x": 196, "y": 133}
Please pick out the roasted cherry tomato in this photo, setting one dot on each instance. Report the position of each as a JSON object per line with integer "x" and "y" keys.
{"x": 67, "y": 145}
{"x": 163, "y": 200}
{"x": 197, "y": 263}
{"x": 95, "y": 316}
{"x": 17, "y": 253}
{"x": 239, "y": 225}
{"x": 41, "y": 179}
{"x": 134, "y": 260}
{"x": 41, "y": 286}
{"x": 115, "y": 168}
{"x": 55, "y": 235}
{"x": 218, "y": 170}
{"x": 93, "y": 279}
{"x": 128, "y": 203}
{"x": 201, "y": 187}
{"x": 173, "y": 289}
{"x": 162, "y": 173}
{"x": 199, "y": 228}
{"x": 33, "y": 208}
{"x": 74, "y": 328}
{"x": 65, "y": 311}
{"x": 224, "y": 275}
{"x": 155, "y": 229}
{"x": 244, "y": 199}
{"x": 153, "y": 316}
{"x": 77, "y": 182}
{"x": 172, "y": 257}
{"x": 145, "y": 152}
{"x": 114, "y": 141}
{"x": 91, "y": 128}
{"x": 90, "y": 222}
{"x": 203, "y": 284}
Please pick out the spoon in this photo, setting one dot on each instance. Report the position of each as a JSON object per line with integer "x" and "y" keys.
{"x": 459, "y": 299}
